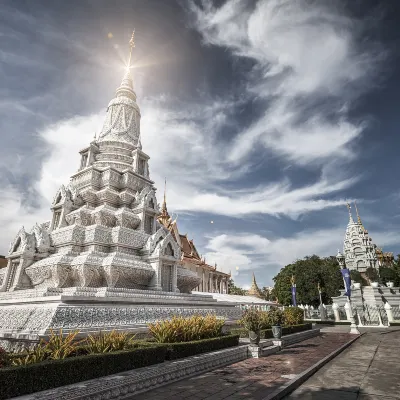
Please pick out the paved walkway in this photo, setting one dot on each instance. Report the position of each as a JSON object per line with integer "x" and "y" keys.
{"x": 368, "y": 370}
{"x": 252, "y": 379}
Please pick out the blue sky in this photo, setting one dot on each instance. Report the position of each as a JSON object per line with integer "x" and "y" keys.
{"x": 265, "y": 116}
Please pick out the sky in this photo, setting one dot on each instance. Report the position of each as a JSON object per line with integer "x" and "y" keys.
{"x": 264, "y": 116}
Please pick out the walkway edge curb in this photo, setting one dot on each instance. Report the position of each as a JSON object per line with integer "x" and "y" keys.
{"x": 293, "y": 384}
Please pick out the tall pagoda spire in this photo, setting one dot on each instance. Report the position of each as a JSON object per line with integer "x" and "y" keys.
{"x": 164, "y": 218}
{"x": 351, "y": 221}
{"x": 126, "y": 87}
{"x": 254, "y": 290}
{"x": 358, "y": 216}
{"x": 122, "y": 123}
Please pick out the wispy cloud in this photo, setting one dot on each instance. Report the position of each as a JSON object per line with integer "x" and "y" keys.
{"x": 305, "y": 54}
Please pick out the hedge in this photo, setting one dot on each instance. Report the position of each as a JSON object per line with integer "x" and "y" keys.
{"x": 329, "y": 322}
{"x": 21, "y": 380}
{"x": 187, "y": 349}
{"x": 267, "y": 333}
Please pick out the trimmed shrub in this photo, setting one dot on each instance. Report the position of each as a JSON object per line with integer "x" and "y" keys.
{"x": 293, "y": 316}
{"x": 188, "y": 349}
{"x": 252, "y": 320}
{"x": 105, "y": 342}
{"x": 275, "y": 317}
{"x": 179, "y": 329}
{"x": 267, "y": 333}
{"x": 4, "y": 358}
{"x": 18, "y": 381}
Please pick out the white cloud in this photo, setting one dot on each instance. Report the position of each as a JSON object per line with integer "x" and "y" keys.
{"x": 303, "y": 53}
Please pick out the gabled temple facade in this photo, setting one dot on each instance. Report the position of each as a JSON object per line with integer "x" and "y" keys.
{"x": 210, "y": 280}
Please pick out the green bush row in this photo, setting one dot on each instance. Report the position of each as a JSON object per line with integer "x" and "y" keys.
{"x": 181, "y": 350}
{"x": 21, "y": 380}
{"x": 26, "y": 379}
{"x": 267, "y": 333}
{"x": 329, "y": 322}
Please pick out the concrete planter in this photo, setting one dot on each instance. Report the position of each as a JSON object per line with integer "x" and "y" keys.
{"x": 254, "y": 337}
{"x": 374, "y": 284}
{"x": 357, "y": 285}
{"x": 276, "y": 331}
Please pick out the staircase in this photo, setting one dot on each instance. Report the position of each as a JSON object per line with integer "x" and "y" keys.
{"x": 368, "y": 296}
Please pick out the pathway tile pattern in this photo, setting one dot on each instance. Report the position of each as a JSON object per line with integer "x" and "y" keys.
{"x": 252, "y": 379}
{"x": 367, "y": 370}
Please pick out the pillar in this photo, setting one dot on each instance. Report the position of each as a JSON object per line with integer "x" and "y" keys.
{"x": 388, "y": 309}
{"x": 348, "y": 311}
{"x": 210, "y": 285}
{"x": 203, "y": 281}
{"x": 335, "y": 309}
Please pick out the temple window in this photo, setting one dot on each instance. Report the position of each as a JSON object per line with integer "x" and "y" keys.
{"x": 141, "y": 166}
{"x": 169, "y": 251}
{"x": 57, "y": 216}
{"x": 148, "y": 224}
{"x": 151, "y": 203}
{"x": 84, "y": 160}
{"x": 17, "y": 245}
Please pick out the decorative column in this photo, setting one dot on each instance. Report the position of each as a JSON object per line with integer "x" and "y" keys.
{"x": 335, "y": 309}
{"x": 347, "y": 310}
{"x": 388, "y": 309}
{"x": 210, "y": 282}
{"x": 203, "y": 283}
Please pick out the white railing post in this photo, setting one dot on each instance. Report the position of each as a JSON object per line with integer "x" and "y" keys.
{"x": 347, "y": 309}
{"x": 335, "y": 309}
{"x": 388, "y": 309}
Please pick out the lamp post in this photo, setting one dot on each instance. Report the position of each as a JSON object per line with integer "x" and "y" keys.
{"x": 344, "y": 271}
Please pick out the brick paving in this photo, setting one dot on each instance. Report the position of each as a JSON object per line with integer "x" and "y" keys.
{"x": 252, "y": 379}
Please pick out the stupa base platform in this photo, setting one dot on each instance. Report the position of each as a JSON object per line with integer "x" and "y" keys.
{"x": 28, "y": 315}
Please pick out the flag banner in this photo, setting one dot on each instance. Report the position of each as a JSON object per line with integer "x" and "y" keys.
{"x": 294, "y": 295}
{"x": 347, "y": 281}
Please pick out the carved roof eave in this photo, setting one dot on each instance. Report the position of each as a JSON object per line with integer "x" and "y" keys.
{"x": 141, "y": 153}
{"x": 125, "y": 171}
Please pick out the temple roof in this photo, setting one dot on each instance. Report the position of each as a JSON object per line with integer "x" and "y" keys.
{"x": 188, "y": 248}
{"x": 254, "y": 290}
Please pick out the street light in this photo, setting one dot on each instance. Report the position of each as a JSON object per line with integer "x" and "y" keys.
{"x": 344, "y": 271}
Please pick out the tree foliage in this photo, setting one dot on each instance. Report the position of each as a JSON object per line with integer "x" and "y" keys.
{"x": 308, "y": 273}
{"x": 266, "y": 294}
{"x": 233, "y": 289}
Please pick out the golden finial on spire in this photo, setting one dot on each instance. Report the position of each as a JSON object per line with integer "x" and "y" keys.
{"x": 131, "y": 46}
{"x": 319, "y": 287}
{"x": 292, "y": 280}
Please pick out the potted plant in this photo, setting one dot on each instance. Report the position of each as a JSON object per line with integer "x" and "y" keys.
{"x": 373, "y": 276}
{"x": 276, "y": 317}
{"x": 356, "y": 278}
{"x": 251, "y": 320}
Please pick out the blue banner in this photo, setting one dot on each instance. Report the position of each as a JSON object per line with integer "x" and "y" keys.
{"x": 347, "y": 281}
{"x": 294, "y": 295}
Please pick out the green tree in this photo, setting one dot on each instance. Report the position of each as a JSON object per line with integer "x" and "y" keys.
{"x": 233, "y": 289}
{"x": 308, "y": 273}
{"x": 387, "y": 274}
{"x": 266, "y": 294}
{"x": 396, "y": 268}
